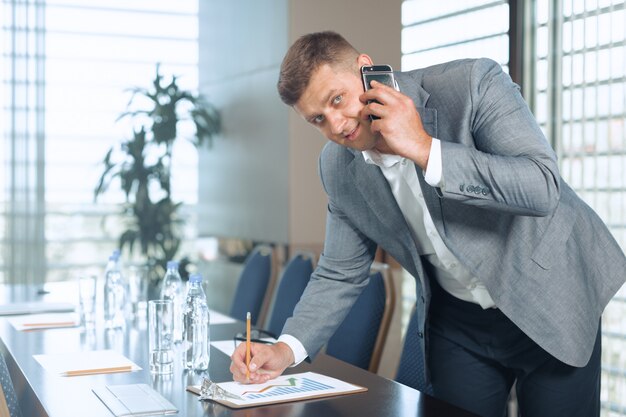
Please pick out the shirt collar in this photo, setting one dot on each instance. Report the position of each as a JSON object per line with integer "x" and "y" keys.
{"x": 383, "y": 160}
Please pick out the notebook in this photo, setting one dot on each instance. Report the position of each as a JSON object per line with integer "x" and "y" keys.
{"x": 134, "y": 400}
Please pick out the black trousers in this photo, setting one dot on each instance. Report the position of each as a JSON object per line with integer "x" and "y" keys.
{"x": 476, "y": 355}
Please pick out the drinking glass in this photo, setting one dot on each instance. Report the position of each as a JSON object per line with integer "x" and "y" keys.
{"x": 137, "y": 290}
{"x": 160, "y": 336}
{"x": 87, "y": 299}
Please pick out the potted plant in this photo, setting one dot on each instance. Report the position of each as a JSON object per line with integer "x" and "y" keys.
{"x": 153, "y": 221}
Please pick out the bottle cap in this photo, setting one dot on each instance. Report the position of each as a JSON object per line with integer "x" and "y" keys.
{"x": 195, "y": 278}
{"x": 172, "y": 265}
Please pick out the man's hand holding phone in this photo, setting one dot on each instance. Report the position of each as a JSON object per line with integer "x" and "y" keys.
{"x": 397, "y": 121}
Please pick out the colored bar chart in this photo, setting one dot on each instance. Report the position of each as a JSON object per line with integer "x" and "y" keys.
{"x": 295, "y": 386}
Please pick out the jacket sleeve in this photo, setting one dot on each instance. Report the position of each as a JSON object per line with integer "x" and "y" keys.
{"x": 505, "y": 163}
{"x": 339, "y": 278}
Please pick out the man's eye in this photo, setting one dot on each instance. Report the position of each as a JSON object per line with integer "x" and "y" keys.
{"x": 337, "y": 99}
{"x": 318, "y": 119}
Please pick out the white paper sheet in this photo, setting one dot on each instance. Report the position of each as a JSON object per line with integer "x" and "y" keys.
{"x": 219, "y": 318}
{"x": 44, "y": 321}
{"x": 92, "y": 362}
{"x": 285, "y": 388}
{"x": 228, "y": 346}
{"x": 34, "y": 307}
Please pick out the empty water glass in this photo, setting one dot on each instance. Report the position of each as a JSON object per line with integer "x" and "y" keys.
{"x": 87, "y": 299}
{"x": 137, "y": 290}
{"x": 160, "y": 336}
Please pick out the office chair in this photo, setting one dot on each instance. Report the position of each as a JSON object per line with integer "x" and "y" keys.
{"x": 9, "y": 405}
{"x": 254, "y": 282}
{"x": 293, "y": 281}
{"x": 359, "y": 340}
{"x": 411, "y": 370}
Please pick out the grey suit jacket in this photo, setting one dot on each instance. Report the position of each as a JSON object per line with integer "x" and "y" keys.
{"x": 546, "y": 258}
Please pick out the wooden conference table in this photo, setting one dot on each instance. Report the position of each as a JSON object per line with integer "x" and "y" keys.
{"x": 45, "y": 394}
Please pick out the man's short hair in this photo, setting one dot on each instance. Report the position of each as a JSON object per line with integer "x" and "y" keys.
{"x": 306, "y": 55}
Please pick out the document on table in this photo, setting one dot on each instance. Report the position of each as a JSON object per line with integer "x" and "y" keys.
{"x": 134, "y": 400}
{"x": 34, "y": 307}
{"x": 285, "y": 388}
{"x": 86, "y": 363}
{"x": 44, "y": 321}
{"x": 228, "y": 346}
{"x": 219, "y": 318}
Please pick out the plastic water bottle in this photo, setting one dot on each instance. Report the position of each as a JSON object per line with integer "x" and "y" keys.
{"x": 114, "y": 293}
{"x": 196, "y": 337}
{"x": 172, "y": 289}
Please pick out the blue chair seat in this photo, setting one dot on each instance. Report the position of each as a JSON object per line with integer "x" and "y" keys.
{"x": 253, "y": 284}
{"x": 360, "y": 338}
{"x": 293, "y": 281}
{"x": 411, "y": 370}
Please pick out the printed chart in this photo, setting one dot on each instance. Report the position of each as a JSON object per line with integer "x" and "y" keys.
{"x": 285, "y": 388}
{"x": 293, "y": 386}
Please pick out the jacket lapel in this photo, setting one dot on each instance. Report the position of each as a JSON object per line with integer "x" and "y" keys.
{"x": 375, "y": 190}
{"x": 411, "y": 85}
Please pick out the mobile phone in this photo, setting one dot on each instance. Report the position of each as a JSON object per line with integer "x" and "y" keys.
{"x": 381, "y": 73}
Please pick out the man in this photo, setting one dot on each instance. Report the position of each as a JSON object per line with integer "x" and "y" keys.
{"x": 457, "y": 182}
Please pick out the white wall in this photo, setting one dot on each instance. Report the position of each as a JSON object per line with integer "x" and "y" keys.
{"x": 260, "y": 180}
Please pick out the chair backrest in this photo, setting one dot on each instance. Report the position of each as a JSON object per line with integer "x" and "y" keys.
{"x": 254, "y": 281}
{"x": 293, "y": 281}
{"x": 359, "y": 340}
{"x": 411, "y": 370}
{"x": 9, "y": 405}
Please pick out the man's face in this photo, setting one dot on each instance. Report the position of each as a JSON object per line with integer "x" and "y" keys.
{"x": 331, "y": 104}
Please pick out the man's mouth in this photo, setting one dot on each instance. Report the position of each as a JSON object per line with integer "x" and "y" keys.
{"x": 353, "y": 133}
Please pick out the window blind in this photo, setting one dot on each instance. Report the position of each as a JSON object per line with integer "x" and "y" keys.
{"x": 580, "y": 96}
{"x": 92, "y": 53}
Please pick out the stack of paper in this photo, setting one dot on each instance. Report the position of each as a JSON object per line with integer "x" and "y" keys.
{"x": 86, "y": 363}
{"x": 44, "y": 321}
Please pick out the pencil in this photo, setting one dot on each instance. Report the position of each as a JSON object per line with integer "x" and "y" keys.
{"x": 248, "y": 345}
{"x": 60, "y": 324}
{"x": 127, "y": 368}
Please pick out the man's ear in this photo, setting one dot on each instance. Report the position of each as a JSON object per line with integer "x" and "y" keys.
{"x": 364, "y": 59}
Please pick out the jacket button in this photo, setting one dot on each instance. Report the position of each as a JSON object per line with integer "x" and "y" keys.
{"x": 420, "y": 335}
{"x": 477, "y": 190}
{"x": 470, "y": 188}
{"x": 461, "y": 187}
{"x": 485, "y": 191}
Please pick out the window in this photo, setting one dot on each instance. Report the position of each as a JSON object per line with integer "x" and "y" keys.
{"x": 430, "y": 32}
{"x": 580, "y": 102}
{"x": 68, "y": 66}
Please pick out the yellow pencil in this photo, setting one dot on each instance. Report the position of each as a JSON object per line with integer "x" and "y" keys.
{"x": 248, "y": 345}
{"x": 115, "y": 369}
{"x": 60, "y": 324}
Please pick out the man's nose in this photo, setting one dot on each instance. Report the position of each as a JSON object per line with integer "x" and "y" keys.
{"x": 336, "y": 122}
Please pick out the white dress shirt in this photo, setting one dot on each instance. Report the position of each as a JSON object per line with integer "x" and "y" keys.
{"x": 401, "y": 175}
